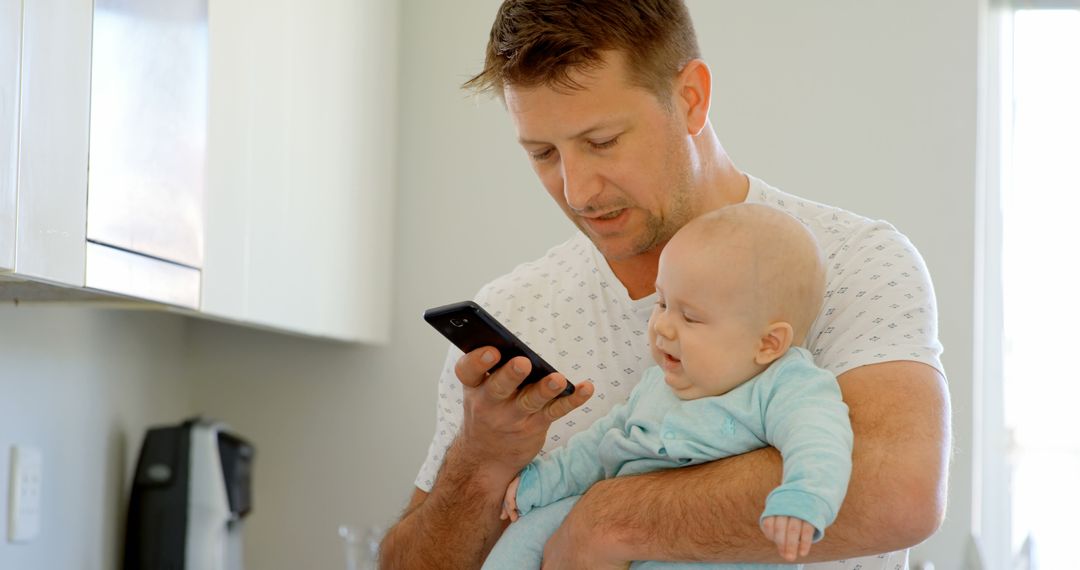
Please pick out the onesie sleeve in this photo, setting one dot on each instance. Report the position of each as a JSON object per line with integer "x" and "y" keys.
{"x": 570, "y": 470}
{"x": 807, "y": 421}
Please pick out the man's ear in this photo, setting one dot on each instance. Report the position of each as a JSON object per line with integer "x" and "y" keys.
{"x": 774, "y": 343}
{"x": 693, "y": 92}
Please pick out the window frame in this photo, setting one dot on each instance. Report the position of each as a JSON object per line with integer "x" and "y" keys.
{"x": 1043, "y": 5}
{"x": 991, "y": 516}
{"x": 991, "y": 496}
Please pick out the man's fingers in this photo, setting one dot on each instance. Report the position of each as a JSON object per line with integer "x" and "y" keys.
{"x": 472, "y": 368}
{"x": 562, "y": 406}
{"x": 502, "y": 384}
{"x": 535, "y": 396}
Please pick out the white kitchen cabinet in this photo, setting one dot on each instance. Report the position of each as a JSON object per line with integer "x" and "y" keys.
{"x": 10, "y": 24}
{"x": 147, "y": 174}
{"x": 293, "y": 232}
{"x": 53, "y": 142}
{"x": 68, "y": 53}
{"x": 301, "y": 141}
{"x": 148, "y": 128}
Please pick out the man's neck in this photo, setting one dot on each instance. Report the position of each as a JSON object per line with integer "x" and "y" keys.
{"x": 637, "y": 273}
{"x": 720, "y": 184}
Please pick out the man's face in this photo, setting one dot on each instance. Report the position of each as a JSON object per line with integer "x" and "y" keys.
{"x": 612, "y": 156}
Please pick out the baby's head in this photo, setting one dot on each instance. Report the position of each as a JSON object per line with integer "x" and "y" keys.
{"x": 737, "y": 287}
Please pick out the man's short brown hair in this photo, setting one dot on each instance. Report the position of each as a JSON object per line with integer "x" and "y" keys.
{"x": 538, "y": 42}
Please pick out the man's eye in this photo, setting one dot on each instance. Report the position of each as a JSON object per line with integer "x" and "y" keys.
{"x": 662, "y": 305}
{"x": 542, "y": 155}
{"x": 605, "y": 144}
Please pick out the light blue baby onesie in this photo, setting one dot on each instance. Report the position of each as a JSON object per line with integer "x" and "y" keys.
{"x": 793, "y": 406}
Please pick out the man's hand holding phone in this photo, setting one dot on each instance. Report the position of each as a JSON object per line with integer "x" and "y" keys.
{"x": 503, "y": 425}
{"x": 512, "y": 394}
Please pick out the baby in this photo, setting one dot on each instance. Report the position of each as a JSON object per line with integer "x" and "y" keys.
{"x": 737, "y": 291}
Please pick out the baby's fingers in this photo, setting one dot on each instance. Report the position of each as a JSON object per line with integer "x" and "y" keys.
{"x": 767, "y": 526}
{"x": 775, "y": 529}
{"x": 791, "y": 539}
{"x": 806, "y": 539}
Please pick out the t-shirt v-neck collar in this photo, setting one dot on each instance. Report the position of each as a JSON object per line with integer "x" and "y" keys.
{"x": 638, "y": 307}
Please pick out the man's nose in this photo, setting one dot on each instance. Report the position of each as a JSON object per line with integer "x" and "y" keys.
{"x": 581, "y": 183}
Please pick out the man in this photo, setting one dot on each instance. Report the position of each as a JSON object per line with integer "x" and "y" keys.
{"x": 610, "y": 100}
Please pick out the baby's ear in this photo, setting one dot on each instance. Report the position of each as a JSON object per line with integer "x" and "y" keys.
{"x": 774, "y": 343}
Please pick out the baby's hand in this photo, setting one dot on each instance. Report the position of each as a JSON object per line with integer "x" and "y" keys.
{"x": 510, "y": 501}
{"x": 792, "y": 536}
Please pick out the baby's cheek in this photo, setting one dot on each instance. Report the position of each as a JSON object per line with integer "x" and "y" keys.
{"x": 657, "y": 359}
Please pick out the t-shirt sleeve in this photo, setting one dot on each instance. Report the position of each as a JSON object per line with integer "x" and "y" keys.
{"x": 879, "y": 304}
{"x": 448, "y": 416}
{"x": 449, "y": 409}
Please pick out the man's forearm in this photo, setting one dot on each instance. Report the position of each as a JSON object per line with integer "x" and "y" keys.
{"x": 900, "y": 418}
{"x": 455, "y": 526}
{"x": 710, "y": 512}
{"x": 702, "y": 513}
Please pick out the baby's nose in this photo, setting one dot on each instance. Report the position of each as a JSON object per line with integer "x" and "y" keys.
{"x": 663, "y": 328}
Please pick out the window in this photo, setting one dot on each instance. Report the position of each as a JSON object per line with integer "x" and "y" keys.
{"x": 1031, "y": 465}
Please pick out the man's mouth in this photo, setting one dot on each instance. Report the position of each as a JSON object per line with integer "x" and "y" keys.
{"x": 609, "y": 216}
{"x": 609, "y": 223}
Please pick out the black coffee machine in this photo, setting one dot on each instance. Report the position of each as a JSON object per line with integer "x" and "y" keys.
{"x": 191, "y": 492}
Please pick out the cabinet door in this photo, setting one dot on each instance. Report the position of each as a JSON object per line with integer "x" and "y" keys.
{"x": 10, "y": 40}
{"x": 148, "y": 128}
{"x": 144, "y": 221}
{"x": 53, "y": 141}
{"x": 300, "y": 165}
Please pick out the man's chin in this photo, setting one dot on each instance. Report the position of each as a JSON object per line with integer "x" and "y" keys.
{"x": 617, "y": 248}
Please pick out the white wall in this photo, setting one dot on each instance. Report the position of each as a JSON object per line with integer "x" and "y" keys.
{"x": 83, "y": 385}
{"x": 869, "y": 105}
{"x": 340, "y": 431}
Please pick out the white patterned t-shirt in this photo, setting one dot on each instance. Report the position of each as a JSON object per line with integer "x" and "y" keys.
{"x": 570, "y": 308}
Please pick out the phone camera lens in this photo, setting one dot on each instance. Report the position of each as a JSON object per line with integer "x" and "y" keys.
{"x": 458, "y": 322}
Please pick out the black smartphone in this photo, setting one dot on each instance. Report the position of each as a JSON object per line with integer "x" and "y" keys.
{"x": 470, "y": 327}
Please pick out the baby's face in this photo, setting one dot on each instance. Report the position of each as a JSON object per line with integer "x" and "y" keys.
{"x": 704, "y": 330}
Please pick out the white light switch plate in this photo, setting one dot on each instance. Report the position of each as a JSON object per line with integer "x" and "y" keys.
{"x": 24, "y": 497}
